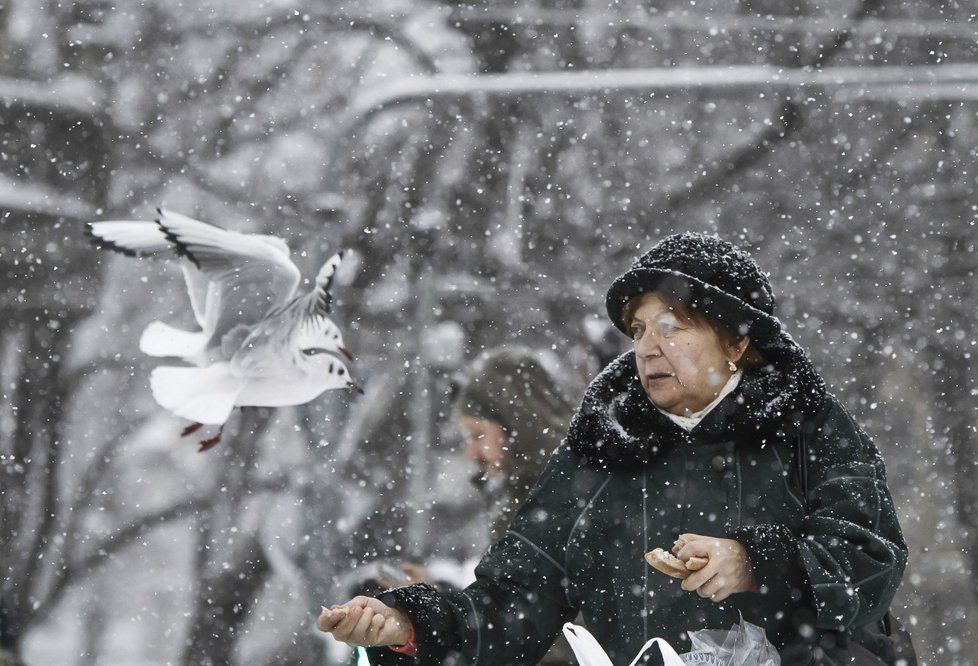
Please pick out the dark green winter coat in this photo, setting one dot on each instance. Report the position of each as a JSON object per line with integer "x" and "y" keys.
{"x": 627, "y": 480}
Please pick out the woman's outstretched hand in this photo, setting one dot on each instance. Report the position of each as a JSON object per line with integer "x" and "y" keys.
{"x": 727, "y": 572}
{"x": 366, "y": 622}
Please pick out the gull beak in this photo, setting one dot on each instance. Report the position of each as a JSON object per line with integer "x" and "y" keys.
{"x": 346, "y": 353}
{"x": 355, "y": 387}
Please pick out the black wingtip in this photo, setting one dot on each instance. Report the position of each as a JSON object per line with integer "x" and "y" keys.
{"x": 178, "y": 245}
{"x": 102, "y": 244}
{"x": 89, "y": 233}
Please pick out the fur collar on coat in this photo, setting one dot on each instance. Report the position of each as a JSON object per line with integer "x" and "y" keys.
{"x": 617, "y": 426}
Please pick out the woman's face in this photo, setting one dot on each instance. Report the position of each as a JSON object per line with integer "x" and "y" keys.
{"x": 681, "y": 363}
{"x": 485, "y": 443}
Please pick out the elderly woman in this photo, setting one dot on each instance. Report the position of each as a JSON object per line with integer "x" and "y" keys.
{"x": 696, "y": 434}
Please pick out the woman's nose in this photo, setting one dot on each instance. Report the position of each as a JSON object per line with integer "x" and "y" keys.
{"x": 648, "y": 344}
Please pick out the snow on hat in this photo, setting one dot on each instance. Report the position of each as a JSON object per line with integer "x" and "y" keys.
{"x": 711, "y": 275}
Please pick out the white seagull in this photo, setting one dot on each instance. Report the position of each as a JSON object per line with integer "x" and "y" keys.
{"x": 259, "y": 343}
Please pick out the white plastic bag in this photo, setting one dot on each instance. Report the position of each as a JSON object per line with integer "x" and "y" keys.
{"x": 744, "y": 644}
{"x": 590, "y": 653}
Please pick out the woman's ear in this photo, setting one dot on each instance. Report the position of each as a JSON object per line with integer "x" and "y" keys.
{"x": 738, "y": 348}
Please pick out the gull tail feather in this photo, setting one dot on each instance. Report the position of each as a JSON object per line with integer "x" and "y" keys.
{"x": 204, "y": 395}
{"x": 161, "y": 339}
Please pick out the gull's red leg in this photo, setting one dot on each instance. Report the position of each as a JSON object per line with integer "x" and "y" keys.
{"x": 190, "y": 429}
{"x": 211, "y": 441}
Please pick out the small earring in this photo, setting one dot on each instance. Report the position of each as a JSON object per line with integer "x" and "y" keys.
{"x": 731, "y": 366}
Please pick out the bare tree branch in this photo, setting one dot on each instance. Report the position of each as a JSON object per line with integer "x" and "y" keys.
{"x": 752, "y": 153}
{"x": 110, "y": 545}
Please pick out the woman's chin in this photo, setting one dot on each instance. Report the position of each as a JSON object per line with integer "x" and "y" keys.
{"x": 669, "y": 403}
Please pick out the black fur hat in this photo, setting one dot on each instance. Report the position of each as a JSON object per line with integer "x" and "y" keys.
{"x": 709, "y": 274}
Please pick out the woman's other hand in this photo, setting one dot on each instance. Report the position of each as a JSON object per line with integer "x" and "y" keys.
{"x": 727, "y": 572}
{"x": 366, "y": 622}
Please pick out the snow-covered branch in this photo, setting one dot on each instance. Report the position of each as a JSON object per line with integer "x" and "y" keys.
{"x": 906, "y": 83}
{"x": 912, "y": 81}
{"x": 716, "y": 23}
{"x": 33, "y": 197}
{"x": 71, "y": 94}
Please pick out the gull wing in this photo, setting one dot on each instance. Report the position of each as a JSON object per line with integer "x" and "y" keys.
{"x": 306, "y": 316}
{"x": 248, "y": 274}
{"x": 132, "y": 238}
{"x": 318, "y": 303}
{"x": 146, "y": 239}
{"x": 324, "y": 282}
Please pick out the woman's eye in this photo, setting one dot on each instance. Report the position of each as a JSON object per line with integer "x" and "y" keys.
{"x": 668, "y": 326}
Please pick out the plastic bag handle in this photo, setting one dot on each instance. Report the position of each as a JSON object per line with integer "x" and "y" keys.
{"x": 590, "y": 653}
{"x": 669, "y": 655}
{"x": 585, "y": 646}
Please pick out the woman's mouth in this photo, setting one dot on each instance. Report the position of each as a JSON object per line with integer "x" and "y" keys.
{"x": 659, "y": 376}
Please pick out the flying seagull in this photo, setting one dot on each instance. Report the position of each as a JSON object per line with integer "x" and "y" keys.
{"x": 259, "y": 343}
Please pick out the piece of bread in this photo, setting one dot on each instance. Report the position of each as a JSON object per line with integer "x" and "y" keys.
{"x": 669, "y": 564}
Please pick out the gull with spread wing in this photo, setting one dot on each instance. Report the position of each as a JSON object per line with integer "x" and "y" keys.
{"x": 259, "y": 343}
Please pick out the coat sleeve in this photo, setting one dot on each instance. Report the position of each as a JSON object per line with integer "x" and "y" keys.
{"x": 516, "y": 607}
{"x": 849, "y": 552}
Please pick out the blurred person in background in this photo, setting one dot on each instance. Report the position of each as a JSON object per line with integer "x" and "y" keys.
{"x": 512, "y": 415}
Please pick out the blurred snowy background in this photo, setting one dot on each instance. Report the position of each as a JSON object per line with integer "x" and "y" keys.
{"x": 490, "y": 167}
